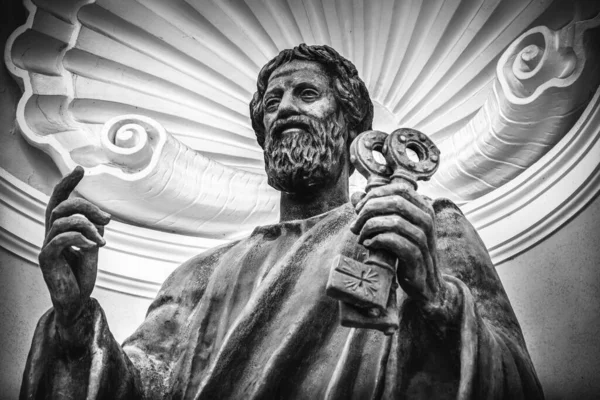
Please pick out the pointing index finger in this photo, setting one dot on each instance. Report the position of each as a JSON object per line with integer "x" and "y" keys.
{"x": 63, "y": 190}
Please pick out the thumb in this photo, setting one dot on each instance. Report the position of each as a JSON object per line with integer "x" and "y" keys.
{"x": 356, "y": 197}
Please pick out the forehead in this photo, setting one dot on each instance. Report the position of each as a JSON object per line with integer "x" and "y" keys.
{"x": 299, "y": 71}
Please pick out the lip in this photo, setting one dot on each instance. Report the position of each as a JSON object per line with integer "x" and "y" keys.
{"x": 292, "y": 129}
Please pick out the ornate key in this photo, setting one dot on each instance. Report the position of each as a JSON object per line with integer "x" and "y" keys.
{"x": 368, "y": 291}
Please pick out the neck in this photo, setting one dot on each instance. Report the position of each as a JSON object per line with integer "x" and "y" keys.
{"x": 303, "y": 206}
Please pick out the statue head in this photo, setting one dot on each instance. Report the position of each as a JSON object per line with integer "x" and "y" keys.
{"x": 309, "y": 106}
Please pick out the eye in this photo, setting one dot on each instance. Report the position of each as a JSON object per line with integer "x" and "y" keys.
{"x": 309, "y": 94}
{"x": 271, "y": 104}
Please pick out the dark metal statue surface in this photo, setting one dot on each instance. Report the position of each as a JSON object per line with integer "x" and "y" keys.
{"x": 253, "y": 320}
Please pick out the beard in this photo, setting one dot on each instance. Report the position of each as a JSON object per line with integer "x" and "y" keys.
{"x": 302, "y": 162}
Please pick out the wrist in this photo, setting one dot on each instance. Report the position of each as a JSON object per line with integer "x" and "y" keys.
{"x": 73, "y": 336}
{"x": 443, "y": 312}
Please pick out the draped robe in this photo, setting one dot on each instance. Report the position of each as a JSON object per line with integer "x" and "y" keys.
{"x": 251, "y": 320}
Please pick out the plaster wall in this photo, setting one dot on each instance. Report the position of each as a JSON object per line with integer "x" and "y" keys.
{"x": 554, "y": 287}
{"x": 24, "y": 299}
{"x": 23, "y": 294}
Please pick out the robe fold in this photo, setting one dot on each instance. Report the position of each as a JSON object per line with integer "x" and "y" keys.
{"x": 251, "y": 320}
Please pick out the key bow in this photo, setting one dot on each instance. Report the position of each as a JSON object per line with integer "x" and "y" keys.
{"x": 368, "y": 291}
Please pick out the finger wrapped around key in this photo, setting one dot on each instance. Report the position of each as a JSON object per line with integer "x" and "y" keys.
{"x": 397, "y": 219}
{"x": 395, "y": 199}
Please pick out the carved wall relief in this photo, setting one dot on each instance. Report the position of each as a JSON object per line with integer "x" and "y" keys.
{"x": 510, "y": 112}
{"x": 543, "y": 82}
{"x": 150, "y": 178}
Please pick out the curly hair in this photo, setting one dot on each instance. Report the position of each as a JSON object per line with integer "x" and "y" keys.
{"x": 349, "y": 90}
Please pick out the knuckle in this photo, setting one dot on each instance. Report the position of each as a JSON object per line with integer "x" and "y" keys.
{"x": 398, "y": 202}
{"x": 368, "y": 225}
{"x": 402, "y": 189}
{"x": 428, "y": 222}
{"x": 389, "y": 237}
{"x": 364, "y": 199}
{"x": 62, "y": 225}
{"x": 397, "y": 220}
{"x": 43, "y": 256}
{"x": 78, "y": 221}
{"x": 54, "y": 213}
{"x": 407, "y": 192}
{"x": 59, "y": 224}
{"x": 369, "y": 207}
{"x": 367, "y": 197}
{"x": 414, "y": 252}
{"x": 421, "y": 238}
{"x": 376, "y": 192}
{"x": 73, "y": 205}
{"x": 429, "y": 209}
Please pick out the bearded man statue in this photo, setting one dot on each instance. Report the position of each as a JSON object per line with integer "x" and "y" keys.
{"x": 251, "y": 319}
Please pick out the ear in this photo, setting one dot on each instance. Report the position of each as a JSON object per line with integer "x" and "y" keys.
{"x": 351, "y": 135}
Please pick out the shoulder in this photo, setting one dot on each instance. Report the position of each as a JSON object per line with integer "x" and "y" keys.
{"x": 443, "y": 205}
{"x": 452, "y": 223}
{"x": 455, "y": 234}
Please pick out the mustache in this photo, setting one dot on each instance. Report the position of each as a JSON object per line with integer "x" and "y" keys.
{"x": 295, "y": 121}
{"x": 295, "y": 163}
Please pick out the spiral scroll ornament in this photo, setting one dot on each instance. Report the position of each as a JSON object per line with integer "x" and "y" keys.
{"x": 499, "y": 104}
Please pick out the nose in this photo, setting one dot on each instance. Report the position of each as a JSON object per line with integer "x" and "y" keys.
{"x": 287, "y": 106}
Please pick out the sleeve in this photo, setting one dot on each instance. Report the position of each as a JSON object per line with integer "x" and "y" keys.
{"x": 100, "y": 368}
{"x": 494, "y": 361}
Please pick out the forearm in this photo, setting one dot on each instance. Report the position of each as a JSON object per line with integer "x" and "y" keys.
{"x": 79, "y": 361}
{"x": 444, "y": 314}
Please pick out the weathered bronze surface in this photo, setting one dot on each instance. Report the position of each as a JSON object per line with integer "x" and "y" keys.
{"x": 252, "y": 319}
{"x": 365, "y": 289}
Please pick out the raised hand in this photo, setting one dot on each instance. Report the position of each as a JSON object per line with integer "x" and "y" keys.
{"x": 400, "y": 220}
{"x": 69, "y": 255}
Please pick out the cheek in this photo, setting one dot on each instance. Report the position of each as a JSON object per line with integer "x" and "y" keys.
{"x": 267, "y": 121}
{"x": 325, "y": 107}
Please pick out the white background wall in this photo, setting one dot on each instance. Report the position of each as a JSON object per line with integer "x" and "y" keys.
{"x": 554, "y": 287}
{"x": 555, "y": 291}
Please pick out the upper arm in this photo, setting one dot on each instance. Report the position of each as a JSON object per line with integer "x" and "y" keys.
{"x": 463, "y": 254}
{"x": 156, "y": 344}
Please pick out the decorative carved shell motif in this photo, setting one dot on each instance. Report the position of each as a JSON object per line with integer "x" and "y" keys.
{"x": 151, "y": 96}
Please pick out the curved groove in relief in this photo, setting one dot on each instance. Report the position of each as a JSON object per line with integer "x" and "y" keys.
{"x": 470, "y": 52}
{"x": 145, "y": 165}
{"x": 112, "y": 31}
{"x": 544, "y": 81}
{"x": 95, "y": 111}
{"x": 191, "y": 65}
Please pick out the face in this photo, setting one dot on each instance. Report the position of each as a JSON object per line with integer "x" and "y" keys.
{"x": 305, "y": 132}
{"x": 298, "y": 88}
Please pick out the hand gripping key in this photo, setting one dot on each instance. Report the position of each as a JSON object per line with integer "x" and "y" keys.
{"x": 367, "y": 291}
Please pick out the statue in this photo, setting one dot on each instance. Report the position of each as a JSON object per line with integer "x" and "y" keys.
{"x": 252, "y": 319}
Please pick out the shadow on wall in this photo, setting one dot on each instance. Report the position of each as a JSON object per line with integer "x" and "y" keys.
{"x": 555, "y": 352}
{"x": 23, "y": 161}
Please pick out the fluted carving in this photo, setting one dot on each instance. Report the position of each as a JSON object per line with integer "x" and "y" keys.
{"x": 191, "y": 65}
{"x": 543, "y": 84}
{"x": 148, "y": 177}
